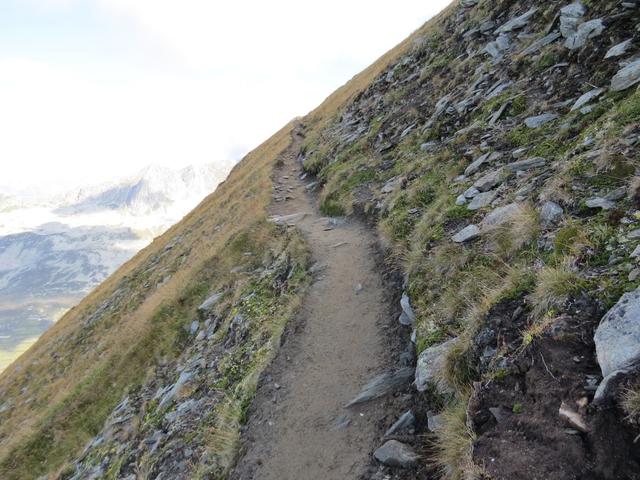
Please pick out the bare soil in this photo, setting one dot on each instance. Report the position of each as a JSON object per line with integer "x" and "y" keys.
{"x": 298, "y": 425}
{"x": 532, "y": 441}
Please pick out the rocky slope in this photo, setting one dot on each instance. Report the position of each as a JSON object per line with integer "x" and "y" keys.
{"x": 495, "y": 152}
{"x": 498, "y": 156}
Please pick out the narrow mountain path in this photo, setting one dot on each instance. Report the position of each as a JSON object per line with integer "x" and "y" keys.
{"x": 298, "y": 425}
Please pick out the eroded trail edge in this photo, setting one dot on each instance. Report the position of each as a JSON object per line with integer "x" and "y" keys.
{"x": 298, "y": 425}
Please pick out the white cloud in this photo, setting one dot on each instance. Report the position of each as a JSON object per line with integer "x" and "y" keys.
{"x": 230, "y": 74}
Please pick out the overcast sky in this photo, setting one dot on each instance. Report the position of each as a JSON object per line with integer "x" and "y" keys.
{"x": 96, "y": 89}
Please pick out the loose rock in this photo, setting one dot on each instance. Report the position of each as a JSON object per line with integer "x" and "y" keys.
{"x": 397, "y": 454}
{"x": 468, "y": 233}
{"x": 430, "y": 365}
{"x": 617, "y": 338}
{"x": 626, "y": 77}
{"x": 540, "y": 120}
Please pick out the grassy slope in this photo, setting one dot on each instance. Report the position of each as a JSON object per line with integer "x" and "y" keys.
{"x": 61, "y": 390}
{"x": 452, "y": 286}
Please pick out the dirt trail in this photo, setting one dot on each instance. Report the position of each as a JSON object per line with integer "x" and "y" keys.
{"x": 298, "y": 426}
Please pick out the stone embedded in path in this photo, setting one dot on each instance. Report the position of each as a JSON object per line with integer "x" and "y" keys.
{"x": 431, "y": 364}
{"x": 405, "y": 423}
{"x": 289, "y": 220}
{"x": 617, "y": 338}
{"x": 396, "y": 454}
{"x": 407, "y": 311}
{"x": 468, "y": 233}
{"x": 626, "y": 77}
{"x": 540, "y": 120}
{"x": 383, "y": 385}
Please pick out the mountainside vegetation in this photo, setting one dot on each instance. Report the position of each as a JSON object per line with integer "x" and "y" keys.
{"x": 495, "y": 152}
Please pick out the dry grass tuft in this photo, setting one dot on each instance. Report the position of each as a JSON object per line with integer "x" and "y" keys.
{"x": 630, "y": 403}
{"x": 553, "y": 287}
{"x": 454, "y": 443}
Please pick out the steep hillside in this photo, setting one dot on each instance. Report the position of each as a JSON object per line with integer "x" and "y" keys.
{"x": 141, "y": 332}
{"x": 499, "y": 157}
{"x": 495, "y": 153}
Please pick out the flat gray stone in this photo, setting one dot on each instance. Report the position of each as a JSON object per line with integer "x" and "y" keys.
{"x": 518, "y": 22}
{"x": 519, "y": 152}
{"x": 497, "y": 48}
{"x": 406, "y": 309}
{"x": 383, "y": 385}
{"x": 617, "y": 338}
{"x": 392, "y": 185}
{"x": 626, "y": 77}
{"x": 476, "y": 164}
{"x": 541, "y": 42}
{"x": 434, "y": 422}
{"x": 527, "y": 164}
{"x": 570, "y": 17}
{"x": 210, "y": 302}
{"x": 404, "y": 320}
{"x": 490, "y": 180}
{"x": 550, "y": 214}
{"x": 619, "y": 49}
{"x": 587, "y": 98}
{"x": 540, "y": 120}
{"x": 599, "y": 202}
{"x": 471, "y": 192}
{"x": 175, "y": 389}
{"x": 584, "y": 32}
{"x": 405, "y": 423}
{"x": 195, "y": 325}
{"x": 468, "y": 233}
{"x": 396, "y": 454}
{"x": 606, "y": 389}
{"x": 430, "y": 366}
{"x": 500, "y": 216}
{"x": 289, "y": 220}
{"x": 481, "y": 200}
